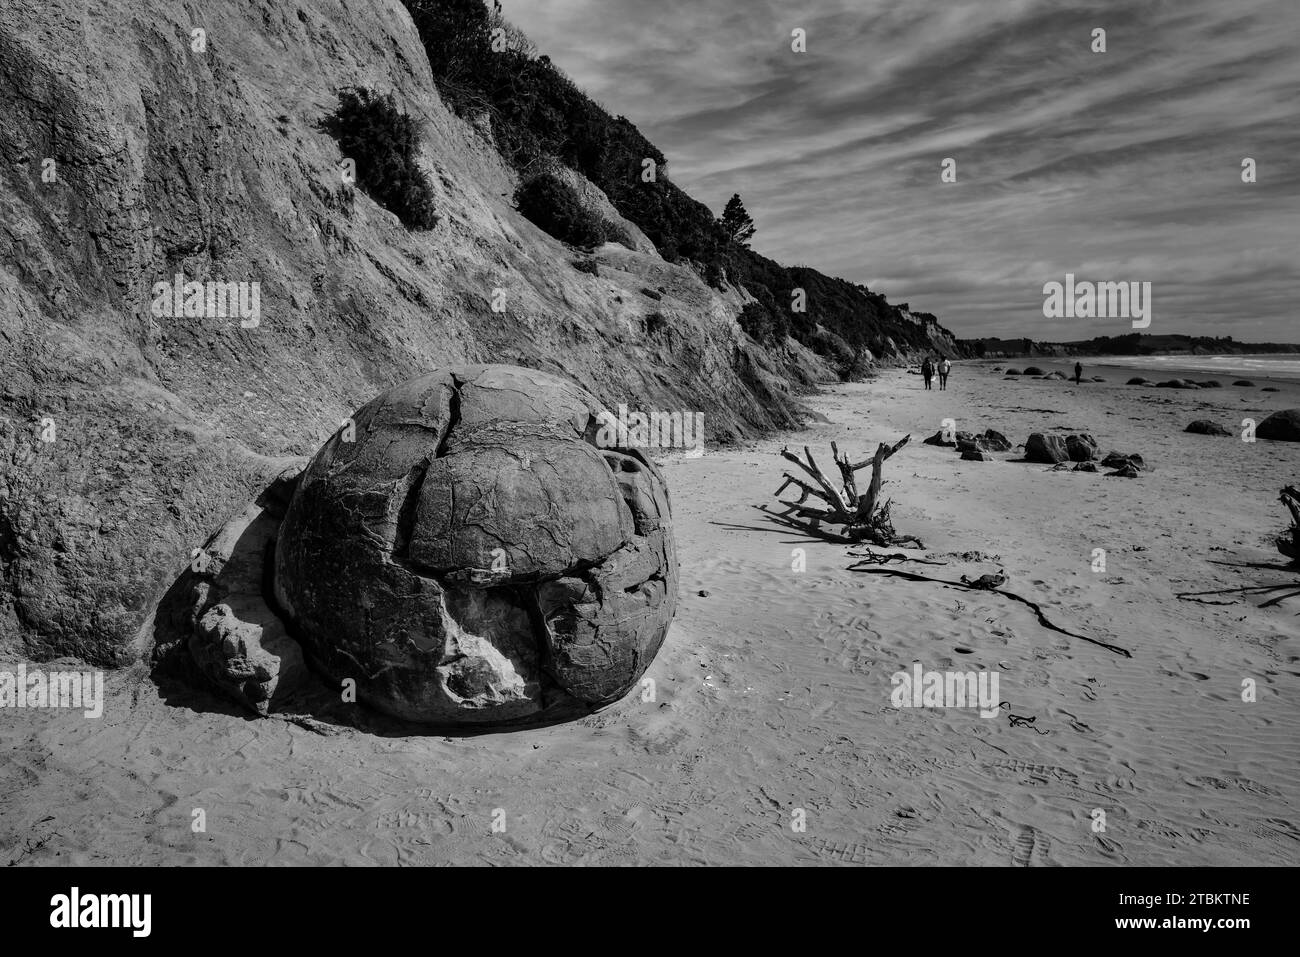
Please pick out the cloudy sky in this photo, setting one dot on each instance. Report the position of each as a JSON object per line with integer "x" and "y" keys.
{"x": 1123, "y": 165}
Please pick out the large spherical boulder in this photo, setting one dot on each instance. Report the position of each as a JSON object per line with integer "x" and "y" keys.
{"x": 467, "y": 551}
{"x": 1281, "y": 426}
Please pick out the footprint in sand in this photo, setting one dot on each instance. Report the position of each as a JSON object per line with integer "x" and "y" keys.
{"x": 906, "y": 818}
{"x": 1278, "y": 829}
{"x": 1245, "y": 784}
{"x": 1031, "y": 846}
{"x": 841, "y": 852}
{"x": 1027, "y": 773}
{"x": 1107, "y": 846}
{"x": 1024, "y": 849}
{"x": 570, "y": 845}
{"x": 660, "y": 739}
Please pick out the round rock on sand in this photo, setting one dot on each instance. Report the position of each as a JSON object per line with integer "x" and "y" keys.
{"x": 475, "y": 555}
{"x": 1281, "y": 426}
{"x": 1206, "y": 427}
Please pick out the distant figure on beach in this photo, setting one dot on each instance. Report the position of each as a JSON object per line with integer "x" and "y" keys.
{"x": 927, "y": 371}
{"x": 1078, "y": 372}
{"x": 944, "y": 368}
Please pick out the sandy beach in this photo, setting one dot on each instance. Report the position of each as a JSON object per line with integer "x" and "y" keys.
{"x": 771, "y": 696}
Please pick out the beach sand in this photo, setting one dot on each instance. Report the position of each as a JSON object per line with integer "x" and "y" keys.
{"x": 772, "y": 692}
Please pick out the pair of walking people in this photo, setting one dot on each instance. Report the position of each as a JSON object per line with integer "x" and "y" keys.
{"x": 930, "y": 366}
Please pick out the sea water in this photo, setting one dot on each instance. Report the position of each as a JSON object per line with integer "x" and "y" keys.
{"x": 1230, "y": 367}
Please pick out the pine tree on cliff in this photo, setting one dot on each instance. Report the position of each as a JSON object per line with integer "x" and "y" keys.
{"x": 737, "y": 221}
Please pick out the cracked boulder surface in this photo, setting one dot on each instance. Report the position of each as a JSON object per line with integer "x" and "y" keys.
{"x": 216, "y": 627}
{"x": 466, "y": 553}
{"x": 237, "y": 640}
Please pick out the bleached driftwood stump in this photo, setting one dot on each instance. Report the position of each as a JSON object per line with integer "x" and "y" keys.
{"x": 861, "y": 517}
{"x": 1289, "y": 545}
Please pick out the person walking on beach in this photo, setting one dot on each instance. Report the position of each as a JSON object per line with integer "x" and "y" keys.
{"x": 927, "y": 371}
{"x": 944, "y": 368}
{"x": 1078, "y": 373}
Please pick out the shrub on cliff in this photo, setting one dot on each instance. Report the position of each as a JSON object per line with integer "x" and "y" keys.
{"x": 760, "y": 325}
{"x": 384, "y": 142}
{"x": 550, "y": 203}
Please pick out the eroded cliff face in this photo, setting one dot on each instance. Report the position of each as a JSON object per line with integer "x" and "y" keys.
{"x": 135, "y": 150}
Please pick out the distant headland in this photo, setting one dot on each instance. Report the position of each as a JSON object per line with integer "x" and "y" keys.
{"x": 1133, "y": 344}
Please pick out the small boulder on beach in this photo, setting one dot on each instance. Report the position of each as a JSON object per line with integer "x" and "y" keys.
{"x": 1115, "y": 460}
{"x": 1085, "y": 467}
{"x": 939, "y": 438}
{"x": 1206, "y": 427}
{"x": 986, "y": 441}
{"x": 1048, "y": 449}
{"x": 1081, "y": 448}
{"x": 996, "y": 441}
{"x": 975, "y": 455}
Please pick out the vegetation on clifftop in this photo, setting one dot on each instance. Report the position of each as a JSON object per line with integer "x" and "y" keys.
{"x": 485, "y": 67}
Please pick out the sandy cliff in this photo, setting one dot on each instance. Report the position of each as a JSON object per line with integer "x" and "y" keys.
{"x": 210, "y": 164}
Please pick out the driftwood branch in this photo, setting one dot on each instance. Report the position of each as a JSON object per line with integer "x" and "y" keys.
{"x": 1289, "y": 544}
{"x": 867, "y": 503}
{"x": 1042, "y": 618}
{"x": 884, "y": 558}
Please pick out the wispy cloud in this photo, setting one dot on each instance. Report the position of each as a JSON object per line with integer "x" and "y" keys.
{"x": 1116, "y": 165}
